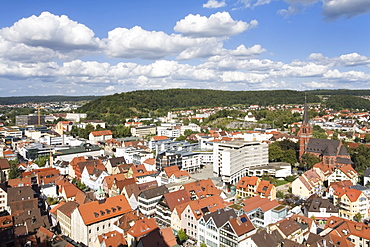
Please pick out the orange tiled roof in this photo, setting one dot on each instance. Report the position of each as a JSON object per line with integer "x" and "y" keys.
{"x": 352, "y": 194}
{"x": 349, "y": 171}
{"x": 212, "y": 203}
{"x": 77, "y": 160}
{"x": 108, "y": 180}
{"x": 327, "y": 169}
{"x": 157, "y": 138}
{"x": 16, "y": 181}
{"x": 112, "y": 239}
{"x": 202, "y": 188}
{"x": 245, "y": 181}
{"x": 70, "y": 190}
{"x": 101, "y": 133}
{"x": 6, "y": 221}
{"x": 55, "y": 208}
{"x": 241, "y": 227}
{"x": 264, "y": 187}
{"x": 348, "y": 227}
{"x": 150, "y": 161}
{"x": 168, "y": 236}
{"x": 174, "y": 170}
{"x": 96, "y": 211}
{"x": 143, "y": 227}
{"x": 258, "y": 202}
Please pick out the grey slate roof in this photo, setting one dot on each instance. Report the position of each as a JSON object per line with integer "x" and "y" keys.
{"x": 117, "y": 161}
{"x": 343, "y": 151}
{"x": 20, "y": 194}
{"x": 317, "y": 203}
{"x": 359, "y": 187}
{"x": 344, "y": 161}
{"x": 154, "y": 192}
{"x": 324, "y": 146}
{"x": 220, "y": 217}
{"x": 264, "y": 239}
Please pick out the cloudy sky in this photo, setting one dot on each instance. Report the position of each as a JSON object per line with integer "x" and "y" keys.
{"x": 93, "y": 47}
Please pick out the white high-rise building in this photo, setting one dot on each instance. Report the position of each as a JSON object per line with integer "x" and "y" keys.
{"x": 232, "y": 158}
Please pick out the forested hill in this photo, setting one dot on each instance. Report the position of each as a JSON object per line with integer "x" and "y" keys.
{"x": 43, "y": 99}
{"x": 141, "y": 103}
{"x": 329, "y": 92}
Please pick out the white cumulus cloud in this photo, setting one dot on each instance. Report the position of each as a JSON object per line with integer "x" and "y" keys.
{"x": 137, "y": 42}
{"x": 213, "y": 4}
{"x": 51, "y": 31}
{"x": 219, "y": 24}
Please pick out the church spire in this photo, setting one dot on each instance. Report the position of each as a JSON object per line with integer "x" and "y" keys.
{"x": 305, "y": 112}
{"x": 305, "y": 133}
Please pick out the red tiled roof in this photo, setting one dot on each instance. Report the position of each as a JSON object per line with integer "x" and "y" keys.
{"x": 70, "y": 190}
{"x": 264, "y": 187}
{"x": 108, "y": 180}
{"x": 212, "y": 203}
{"x": 349, "y": 171}
{"x": 97, "y": 211}
{"x": 202, "y": 188}
{"x": 157, "y": 138}
{"x": 245, "y": 181}
{"x": 112, "y": 239}
{"x": 168, "y": 236}
{"x": 150, "y": 161}
{"x": 174, "y": 170}
{"x": 350, "y": 227}
{"x": 143, "y": 227}
{"x": 241, "y": 227}
{"x": 6, "y": 221}
{"x": 4, "y": 164}
{"x": 352, "y": 194}
{"x": 19, "y": 181}
{"x": 258, "y": 202}
{"x": 176, "y": 198}
{"x": 55, "y": 208}
{"x": 101, "y": 133}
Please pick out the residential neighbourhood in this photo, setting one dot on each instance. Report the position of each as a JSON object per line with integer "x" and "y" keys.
{"x": 176, "y": 184}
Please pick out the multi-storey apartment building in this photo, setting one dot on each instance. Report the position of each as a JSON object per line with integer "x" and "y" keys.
{"x": 254, "y": 186}
{"x": 351, "y": 202}
{"x": 148, "y": 199}
{"x": 232, "y": 158}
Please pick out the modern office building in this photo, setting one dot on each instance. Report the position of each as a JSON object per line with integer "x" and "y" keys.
{"x": 232, "y": 158}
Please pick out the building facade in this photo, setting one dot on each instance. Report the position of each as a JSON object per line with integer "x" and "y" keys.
{"x": 232, "y": 158}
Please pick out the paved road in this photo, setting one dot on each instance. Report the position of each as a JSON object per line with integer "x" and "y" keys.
{"x": 206, "y": 172}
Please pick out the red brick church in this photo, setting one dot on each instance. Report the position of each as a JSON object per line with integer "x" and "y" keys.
{"x": 329, "y": 151}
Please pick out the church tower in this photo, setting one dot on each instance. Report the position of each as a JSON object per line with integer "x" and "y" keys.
{"x": 305, "y": 133}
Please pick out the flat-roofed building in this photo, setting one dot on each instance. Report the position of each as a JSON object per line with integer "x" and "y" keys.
{"x": 231, "y": 159}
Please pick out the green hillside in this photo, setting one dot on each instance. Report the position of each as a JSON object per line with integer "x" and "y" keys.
{"x": 157, "y": 102}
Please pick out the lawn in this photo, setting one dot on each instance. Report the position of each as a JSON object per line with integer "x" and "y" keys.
{"x": 280, "y": 182}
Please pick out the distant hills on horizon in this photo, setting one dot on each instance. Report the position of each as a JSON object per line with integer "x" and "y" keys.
{"x": 11, "y": 100}
{"x": 151, "y": 103}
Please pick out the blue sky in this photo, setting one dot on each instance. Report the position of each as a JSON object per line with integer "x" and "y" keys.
{"x": 113, "y": 46}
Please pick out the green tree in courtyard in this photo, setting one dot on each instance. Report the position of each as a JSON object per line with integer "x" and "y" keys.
{"x": 309, "y": 160}
{"x": 182, "y": 236}
{"x": 358, "y": 217}
{"x": 14, "y": 172}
